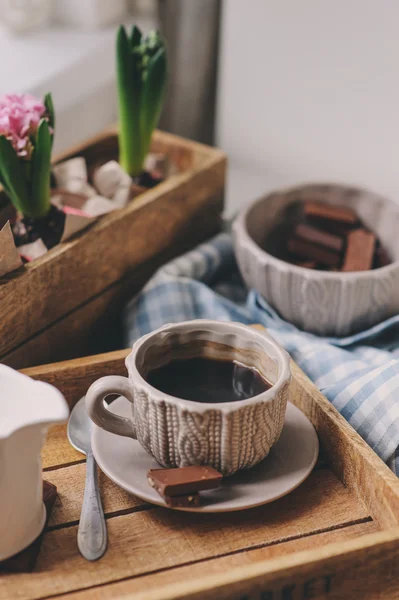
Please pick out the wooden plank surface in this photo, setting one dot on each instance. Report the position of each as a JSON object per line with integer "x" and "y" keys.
{"x": 348, "y": 454}
{"x": 158, "y": 554}
{"x": 95, "y": 325}
{"x": 73, "y": 377}
{"x": 149, "y": 586}
{"x": 364, "y": 568}
{"x": 70, "y": 482}
{"x": 83, "y": 267}
{"x": 157, "y": 539}
{"x": 58, "y": 451}
{"x": 351, "y": 458}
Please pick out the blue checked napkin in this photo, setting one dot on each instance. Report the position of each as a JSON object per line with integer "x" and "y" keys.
{"x": 359, "y": 374}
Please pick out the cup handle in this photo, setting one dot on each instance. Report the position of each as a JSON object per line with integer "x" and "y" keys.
{"x": 100, "y": 415}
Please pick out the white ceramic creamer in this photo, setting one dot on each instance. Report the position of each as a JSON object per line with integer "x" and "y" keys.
{"x": 27, "y": 408}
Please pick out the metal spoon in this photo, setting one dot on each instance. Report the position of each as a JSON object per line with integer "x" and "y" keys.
{"x": 92, "y": 531}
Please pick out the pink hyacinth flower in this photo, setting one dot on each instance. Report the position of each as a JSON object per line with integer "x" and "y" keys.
{"x": 20, "y": 115}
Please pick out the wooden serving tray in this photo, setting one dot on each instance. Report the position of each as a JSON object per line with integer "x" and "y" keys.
{"x": 336, "y": 536}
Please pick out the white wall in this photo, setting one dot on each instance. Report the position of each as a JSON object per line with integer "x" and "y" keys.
{"x": 77, "y": 65}
{"x": 309, "y": 90}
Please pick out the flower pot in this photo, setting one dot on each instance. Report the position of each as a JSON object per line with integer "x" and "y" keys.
{"x": 54, "y": 307}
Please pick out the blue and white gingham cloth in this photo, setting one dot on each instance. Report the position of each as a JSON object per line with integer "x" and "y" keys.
{"x": 359, "y": 374}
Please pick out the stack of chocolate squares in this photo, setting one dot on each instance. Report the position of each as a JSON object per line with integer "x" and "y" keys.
{"x": 180, "y": 487}
{"x": 333, "y": 238}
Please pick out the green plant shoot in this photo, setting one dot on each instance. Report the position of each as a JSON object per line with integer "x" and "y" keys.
{"x": 141, "y": 82}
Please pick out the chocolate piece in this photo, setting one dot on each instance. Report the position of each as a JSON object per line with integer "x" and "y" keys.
{"x": 321, "y": 211}
{"x": 321, "y": 238}
{"x": 312, "y": 252}
{"x": 359, "y": 251}
{"x": 381, "y": 257}
{"x": 184, "y": 480}
{"x": 305, "y": 264}
{"x": 182, "y": 501}
{"x": 334, "y": 227}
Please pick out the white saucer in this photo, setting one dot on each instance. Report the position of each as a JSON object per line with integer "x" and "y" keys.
{"x": 290, "y": 461}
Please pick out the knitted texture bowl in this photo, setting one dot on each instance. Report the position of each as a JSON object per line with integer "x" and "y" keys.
{"x": 321, "y": 302}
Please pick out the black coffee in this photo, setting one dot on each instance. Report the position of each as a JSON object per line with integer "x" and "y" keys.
{"x": 209, "y": 381}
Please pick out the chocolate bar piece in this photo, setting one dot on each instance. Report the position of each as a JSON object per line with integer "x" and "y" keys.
{"x": 381, "y": 257}
{"x": 321, "y": 238}
{"x": 320, "y": 211}
{"x": 359, "y": 251}
{"x": 184, "y": 480}
{"x": 182, "y": 501}
{"x": 310, "y": 251}
{"x": 305, "y": 264}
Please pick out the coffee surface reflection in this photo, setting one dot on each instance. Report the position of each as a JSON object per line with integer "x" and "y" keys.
{"x": 208, "y": 381}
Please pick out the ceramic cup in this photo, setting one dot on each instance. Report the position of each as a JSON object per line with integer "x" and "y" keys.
{"x": 229, "y": 436}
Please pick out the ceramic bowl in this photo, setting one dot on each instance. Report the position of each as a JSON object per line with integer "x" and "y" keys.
{"x": 321, "y": 302}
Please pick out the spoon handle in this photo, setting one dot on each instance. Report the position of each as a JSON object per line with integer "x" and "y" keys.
{"x": 92, "y": 532}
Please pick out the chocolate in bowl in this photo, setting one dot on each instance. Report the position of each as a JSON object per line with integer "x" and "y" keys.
{"x": 317, "y": 235}
{"x": 322, "y": 302}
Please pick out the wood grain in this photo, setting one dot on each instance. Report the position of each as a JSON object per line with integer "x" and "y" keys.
{"x": 361, "y": 470}
{"x": 148, "y": 586}
{"x": 348, "y": 454}
{"x": 70, "y": 483}
{"x": 365, "y": 568}
{"x": 187, "y": 154}
{"x": 156, "y": 539}
{"x": 351, "y": 458}
{"x": 319, "y": 534}
{"x": 96, "y": 325}
{"x": 57, "y": 451}
{"x": 73, "y": 377}
{"x": 78, "y": 270}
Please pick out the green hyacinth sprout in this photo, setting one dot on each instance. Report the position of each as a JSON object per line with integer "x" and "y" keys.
{"x": 141, "y": 81}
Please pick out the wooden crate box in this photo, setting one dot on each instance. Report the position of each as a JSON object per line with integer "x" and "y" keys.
{"x": 68, "y": 302}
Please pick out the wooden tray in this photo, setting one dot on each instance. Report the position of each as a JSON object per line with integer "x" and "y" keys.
{"x": 334, "y": 537}
{"x": 68, "y": 302}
